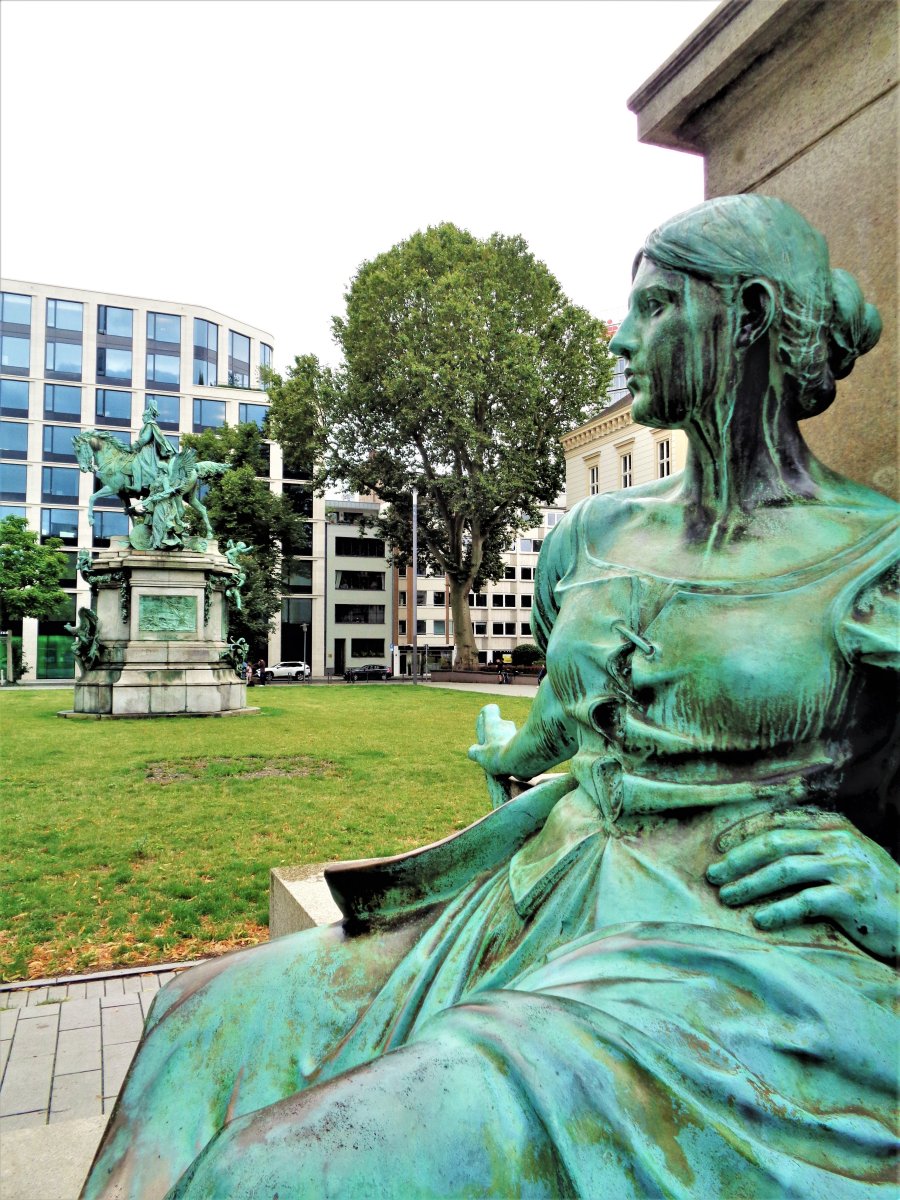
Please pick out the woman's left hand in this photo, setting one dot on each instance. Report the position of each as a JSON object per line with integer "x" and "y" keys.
{"x": 840, "y": 875}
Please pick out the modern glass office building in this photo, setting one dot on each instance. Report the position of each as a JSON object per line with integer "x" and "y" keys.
{"x": 73, "y": 359}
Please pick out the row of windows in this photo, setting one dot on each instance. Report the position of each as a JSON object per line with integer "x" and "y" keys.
{"x": 359, "y": 614}
{"x": 112, "y": 407}
{"x": 502, "y": 629}
{"x": 363, "y": 581}
{"x": 64, "y": 357}
{"x": 500, "y": 600}
{"x": 626, "y": 467}
{"x": 438, "y": 628}
{"x": 422, "y": 598}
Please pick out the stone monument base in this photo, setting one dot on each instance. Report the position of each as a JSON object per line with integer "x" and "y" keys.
{"x": 162, "y": 626}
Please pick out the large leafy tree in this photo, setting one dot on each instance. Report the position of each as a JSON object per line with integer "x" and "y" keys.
{"x": 463, "y": 365}
{"x": 242, "y": 507}
{"x": 29, "y": 573}
{"x": 29, "y": 581}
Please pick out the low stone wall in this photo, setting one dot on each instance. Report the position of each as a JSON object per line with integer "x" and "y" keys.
{"x": 515, "y": 676}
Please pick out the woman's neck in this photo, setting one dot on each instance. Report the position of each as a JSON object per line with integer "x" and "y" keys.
{"x": 745, "y": 454}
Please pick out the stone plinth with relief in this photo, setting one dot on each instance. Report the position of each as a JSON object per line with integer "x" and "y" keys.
{"x": 161, "y": 645}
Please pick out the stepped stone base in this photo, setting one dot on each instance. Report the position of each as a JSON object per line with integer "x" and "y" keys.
{"x": 162, "y": 621}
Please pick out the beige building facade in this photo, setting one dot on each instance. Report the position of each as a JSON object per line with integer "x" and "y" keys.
{"x": 612, "y": 452}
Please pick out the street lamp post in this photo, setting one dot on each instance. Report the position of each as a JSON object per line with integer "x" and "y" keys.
{"x": 415, "y": 580}
{"x": 308, "y": 672}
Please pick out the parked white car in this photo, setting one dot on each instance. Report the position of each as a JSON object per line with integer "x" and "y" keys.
{"x": 288, "y": 670}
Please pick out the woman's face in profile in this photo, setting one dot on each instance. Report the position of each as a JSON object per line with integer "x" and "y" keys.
{"x": 676, "y": 341}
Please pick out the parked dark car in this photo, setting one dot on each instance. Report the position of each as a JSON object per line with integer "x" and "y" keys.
{"x": 369, "y": 671}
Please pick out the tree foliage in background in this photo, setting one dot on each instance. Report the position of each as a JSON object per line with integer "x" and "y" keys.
{"x": 242, "y": 507}
{"x": 463, "y": 365}
{"x": 29, "y": 574}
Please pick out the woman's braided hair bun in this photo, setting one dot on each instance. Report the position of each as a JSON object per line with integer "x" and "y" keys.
{"x": 855, "y": 326}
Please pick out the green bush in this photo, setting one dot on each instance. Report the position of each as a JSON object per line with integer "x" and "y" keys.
{"x": 526, "y": 654}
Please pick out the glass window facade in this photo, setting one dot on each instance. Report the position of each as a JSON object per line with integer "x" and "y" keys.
{"x": 163, "y": 370}
{"x": 206, "y": 346}
{"x": 663, "y": 458}
{"x": 363, "y": 581}
{"x": 15, "y": 309}
{"x": 65, "y": 314}
{"x": 61, "y": 523}
{"x": 625, "y": 473}
{"x": 359, "y": 614}
{"x": 114, "y": 363}
{"x": 55, "y": 654}
{"x": 252, "y": 414}
{"x": 13, "y": 439}
{"x": 113, "y": 408}
{"x": 62, "y": 403}
{"x": 15, "y": 353}
{"x": 109, "y": 523}
{"x": 12, "y": 510}
{"x": 13, "y": 398}
{"x": 163, "y": 327}
{"x": 12, "y": 482}
{"x": 60, "y": 484}
{"x": 367, "y": 647}
{"x": 265, "y": 355}
{"x": 169, "y": 409}
{"x": 58, "y": 443}
{"x": 63, "y": 358}
{"x": 208, "y": 414}
{"x": 299, "y": 498}
{"x": 238, "y": 359}
{"x": 116, "y": 322}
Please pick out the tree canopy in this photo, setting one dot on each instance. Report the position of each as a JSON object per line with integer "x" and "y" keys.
{"x": 29, "y": 573}
{"x": 242, "y": 507}
{"x": 464, "y": 363}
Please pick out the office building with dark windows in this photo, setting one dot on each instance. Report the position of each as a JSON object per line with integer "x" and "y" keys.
{"x": 73, "y": 360}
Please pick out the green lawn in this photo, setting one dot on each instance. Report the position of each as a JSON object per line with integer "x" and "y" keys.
{"x": 133, "y": 842}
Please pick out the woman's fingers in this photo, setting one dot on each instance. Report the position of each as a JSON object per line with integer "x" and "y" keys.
{"x": 819, "y": 902}
{"x": 768, "y": 847}
{"x": 793, "y": 871}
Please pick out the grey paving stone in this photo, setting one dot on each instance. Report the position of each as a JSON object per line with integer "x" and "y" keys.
{"x": 8, "y": 1023}
{"x": 116, "y": 1061}
{"x": 26, "y": 1083}
{"x": 23, "y": 1120}
{"x": 122, "y": 1024}
{"x": 16, "y": 999}
{"x": 49, "y": 1163}
{"x": 35, "y": 1037}
{"x": 147, "y": 999}
{"x": 75, "y": 991}
{"x": 94, "y": 987}
{"x": 4, "y": 1055}
{"x": 58, "y": 991}
{"x": 149, "y": 983}
{"x": 133, "y": 983}
{"x": 77, "y": 1096}
{"x": 33, "y": 1011}
{"x": 77, "y": 1050}
{"x": 37, "y": 995}
{"x": 119, "y": 1000}
{"x": 114, "y": 986}
{"x": 75, "y": 1014}
{"x": 165, "y": 977}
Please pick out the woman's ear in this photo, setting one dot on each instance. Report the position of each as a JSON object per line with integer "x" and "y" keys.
{"x": 757, "y": 308}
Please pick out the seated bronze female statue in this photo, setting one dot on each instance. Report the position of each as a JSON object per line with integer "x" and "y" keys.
{"x": 670, "y": 972}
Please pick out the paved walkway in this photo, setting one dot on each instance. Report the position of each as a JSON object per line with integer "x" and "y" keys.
{"x": 65, "y": 1049}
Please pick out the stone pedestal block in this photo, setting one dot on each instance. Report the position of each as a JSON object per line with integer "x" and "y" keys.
{"x": 162, "y": 623}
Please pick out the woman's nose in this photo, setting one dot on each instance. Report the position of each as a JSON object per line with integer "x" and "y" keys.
{"x": 625, "y": 340}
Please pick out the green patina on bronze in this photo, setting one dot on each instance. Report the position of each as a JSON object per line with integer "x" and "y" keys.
{"x": 167, "y": 614}
{"x": 157, "y": 484}
{"x": 669, "y": 972}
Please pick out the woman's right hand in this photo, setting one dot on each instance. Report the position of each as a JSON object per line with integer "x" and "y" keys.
{"x": 493, "y": 734}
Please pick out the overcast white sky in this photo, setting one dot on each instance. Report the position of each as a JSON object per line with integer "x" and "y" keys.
{"x": 249, "y": 156}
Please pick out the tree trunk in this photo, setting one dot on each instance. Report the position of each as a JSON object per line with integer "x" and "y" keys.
{"x": 463, "y": 637}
